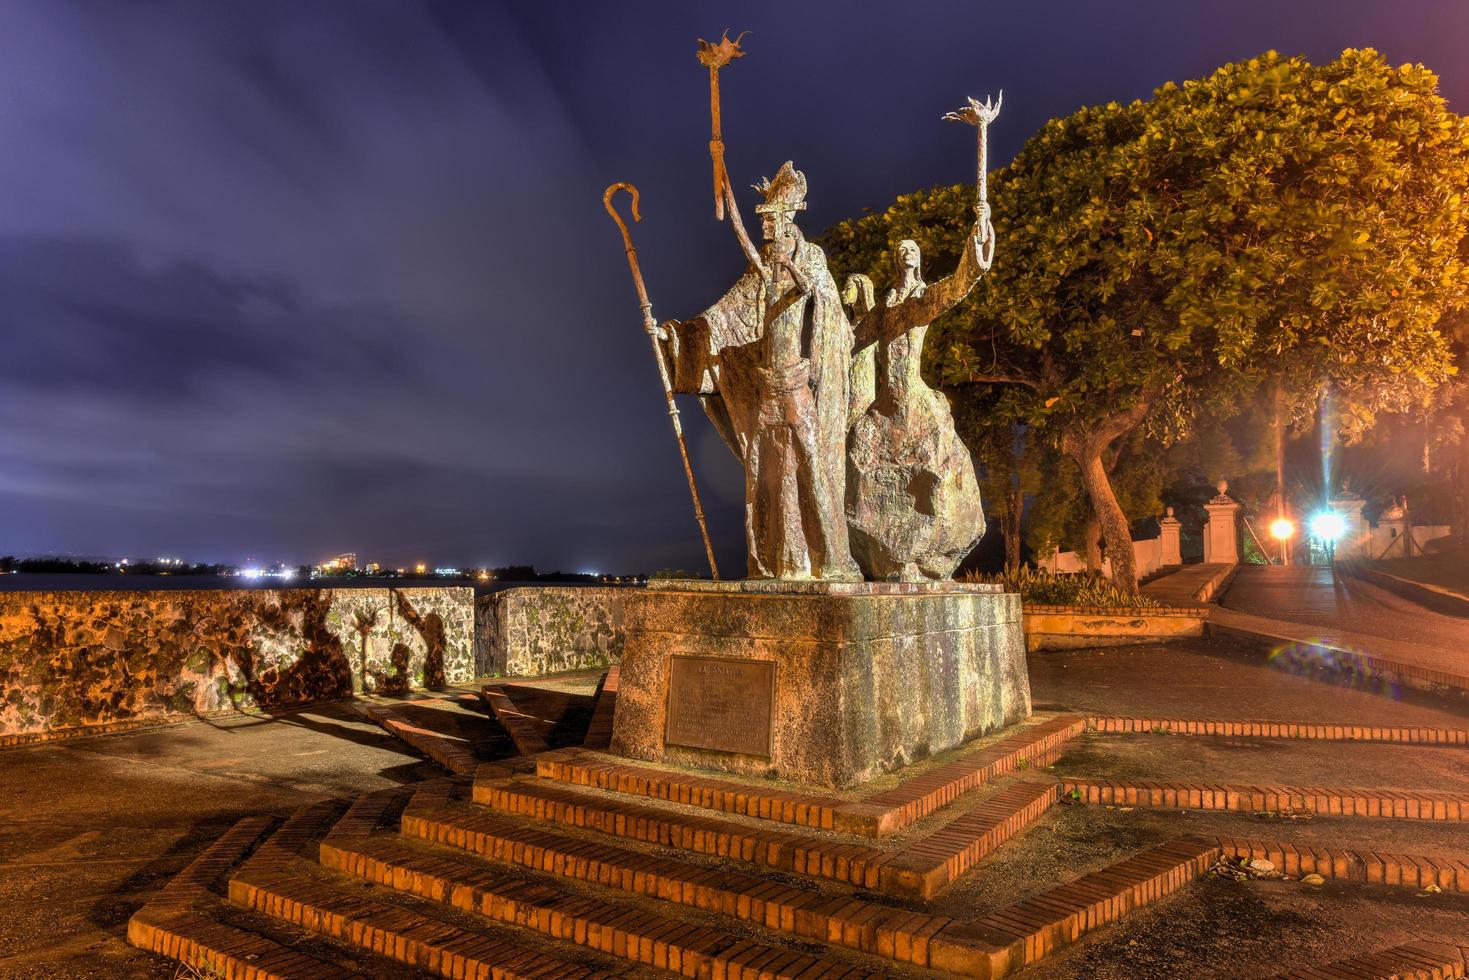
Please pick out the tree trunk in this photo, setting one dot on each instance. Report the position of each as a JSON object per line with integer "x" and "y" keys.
{"x": 1463, "y": 527}
{"x": 1086, "y": 448}
{"x": 1091, "y": 530}
{"x": 1109, "y": 515}
{"x": 1010, "y": 528}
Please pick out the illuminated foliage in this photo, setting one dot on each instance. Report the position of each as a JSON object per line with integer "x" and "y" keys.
{"x": 1159, "y": 260}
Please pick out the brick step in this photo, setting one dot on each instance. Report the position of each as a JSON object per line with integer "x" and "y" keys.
{"x": 177, "y": 922}
{"x": 1333, "y": 801}
{"x": 631, "y": 930}
{"x": 1422, "y": 960}
{"x": 579, "y": 767}
{"x": 427, "y": 943}
{"x": 604, "y": 710}
{"x": 1447, "y": 871}
{"x": 1028, "y": 931}
{"x": 1316, "y": 731}
{"x": 917, "y": 869}
{"x": 1031, "y": 746}
{"x": 877, "y": 815}
{"x": 815, "y": 857}
{"x": 280, "y": 882}
{"x": 798, "y": 909}
{"x": 930, "y": 865}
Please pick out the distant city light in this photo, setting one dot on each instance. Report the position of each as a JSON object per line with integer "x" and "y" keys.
{"x": 1282, "y": 529}
{"x": 252, "y": 572}
{"x": 420, "y": 568}
{"x": 1328, "y": 526}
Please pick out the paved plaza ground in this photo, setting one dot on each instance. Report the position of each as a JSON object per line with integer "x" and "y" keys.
{"x": 91, "y": 829}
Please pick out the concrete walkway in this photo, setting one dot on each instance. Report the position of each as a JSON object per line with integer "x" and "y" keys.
{"x": 1189, "y": 586}
{"x": 1349, "y": 623}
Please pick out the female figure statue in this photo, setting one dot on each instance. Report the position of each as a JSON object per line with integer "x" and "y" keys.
{"x": 912, "y": 501}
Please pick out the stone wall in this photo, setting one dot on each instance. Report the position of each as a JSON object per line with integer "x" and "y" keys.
{"x": 547, "y": 630}
{"x": 73, "y": 660}
{"x": 1070, "y": 627}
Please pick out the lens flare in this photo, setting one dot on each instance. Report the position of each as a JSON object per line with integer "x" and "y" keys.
{"x": 1328, "y": 526}
{"x": 1281, "y": 529}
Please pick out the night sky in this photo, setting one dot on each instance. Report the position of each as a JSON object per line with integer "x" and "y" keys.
{"x": 284, "y": 279}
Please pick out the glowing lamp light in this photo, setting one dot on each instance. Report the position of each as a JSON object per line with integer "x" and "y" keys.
{"x": 1328, "y": 526}
{"x": 1281, "y": 529}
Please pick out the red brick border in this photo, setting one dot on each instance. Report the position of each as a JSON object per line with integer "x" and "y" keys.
{"x": 1397, "y": 804}
{"x": 1422, "y": 960}
{"x": 1449, "y": 872}
{"x": 1320, "y": 731}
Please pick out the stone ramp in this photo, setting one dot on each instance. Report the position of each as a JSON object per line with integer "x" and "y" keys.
{"x": 454, "y": 731}
{"x": 599, "y": 730}
{"x": 538, "y": 719}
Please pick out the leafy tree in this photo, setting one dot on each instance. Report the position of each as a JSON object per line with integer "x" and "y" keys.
{"x": 1159, "y": 261}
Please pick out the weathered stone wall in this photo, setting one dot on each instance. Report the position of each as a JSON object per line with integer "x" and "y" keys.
{"x": 548, "y": 629}
{"x": 1072, "y": 627}
{"x": 79, "y": 659}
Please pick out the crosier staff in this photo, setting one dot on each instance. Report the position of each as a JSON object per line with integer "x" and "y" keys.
{"x": 650, "y": 326}
{"x": 980, "y": 115}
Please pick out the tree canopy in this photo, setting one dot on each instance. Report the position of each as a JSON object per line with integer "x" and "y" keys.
{"x": 1159, "y": 260}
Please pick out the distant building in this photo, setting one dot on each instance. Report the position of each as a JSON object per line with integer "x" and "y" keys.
{"x": 373, "y": 568}
{"x": 346, "y": 562}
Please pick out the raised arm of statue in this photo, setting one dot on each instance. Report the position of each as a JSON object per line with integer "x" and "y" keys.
{"x": 917, "y": 304}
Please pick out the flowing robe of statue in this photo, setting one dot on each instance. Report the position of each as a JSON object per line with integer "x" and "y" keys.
{"x": 777, "y": 392}
{"x": 912, "y": 500}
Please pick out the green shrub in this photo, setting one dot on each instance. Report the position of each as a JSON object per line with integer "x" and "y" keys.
{"x": 1045, "y": 589}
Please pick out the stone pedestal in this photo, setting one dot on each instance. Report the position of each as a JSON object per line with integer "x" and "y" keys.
{"x": 1170, "y": 550}
{"x": 823, "y": 683}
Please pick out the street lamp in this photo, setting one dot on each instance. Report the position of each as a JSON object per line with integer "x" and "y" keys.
{"x": 1328, "y": 526}
{"x": 1282, "y": 529}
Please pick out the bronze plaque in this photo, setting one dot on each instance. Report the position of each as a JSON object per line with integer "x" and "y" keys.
{"x": 721, "y": 704}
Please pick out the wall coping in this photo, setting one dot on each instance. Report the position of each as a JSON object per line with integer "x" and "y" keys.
{"x": 1050, "y": 610}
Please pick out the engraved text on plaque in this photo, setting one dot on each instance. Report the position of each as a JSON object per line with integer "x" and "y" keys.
{"x": 721, "y": 704}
